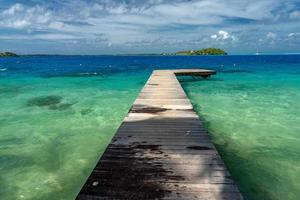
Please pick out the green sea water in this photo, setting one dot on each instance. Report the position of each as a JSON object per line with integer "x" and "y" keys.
{"x": 58, "y": 114}
{"x": 254, "y": 121}
{"x": 54, "y": 130}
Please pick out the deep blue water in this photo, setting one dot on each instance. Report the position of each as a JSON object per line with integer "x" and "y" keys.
{"x": 74, "y": 65}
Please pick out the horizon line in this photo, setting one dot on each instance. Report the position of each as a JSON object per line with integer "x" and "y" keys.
{"x": 153, "y": 54}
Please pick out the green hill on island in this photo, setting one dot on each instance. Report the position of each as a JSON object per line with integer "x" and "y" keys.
{"x": 207, "y": 51}
{"x": 8, "y": 54}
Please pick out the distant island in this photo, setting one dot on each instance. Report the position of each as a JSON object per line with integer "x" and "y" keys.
{"x": 8, "y": 54}
{"x": 207, "y": 51}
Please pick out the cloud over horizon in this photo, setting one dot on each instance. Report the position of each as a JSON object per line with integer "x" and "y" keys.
{"x": 103, "y": 26}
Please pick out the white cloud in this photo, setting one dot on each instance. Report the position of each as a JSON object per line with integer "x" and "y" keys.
{"x": 154, "y": 13}
{"x": 293, "y": 35}
{"x": 223, "y": 36}
{"x": 14, "y": 9}
{"x": 295, "y": 15}
{"x": 19, "y": 17}
{"x": 271, "y": 36}
{"x": 199, "y": 22}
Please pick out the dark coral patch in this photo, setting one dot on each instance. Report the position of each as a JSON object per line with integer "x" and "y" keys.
{"x": 43, "y": 101}
{"x": 86, "y": 111}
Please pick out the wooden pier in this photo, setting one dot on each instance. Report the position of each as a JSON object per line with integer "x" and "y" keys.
{"x": 161, "y": 150}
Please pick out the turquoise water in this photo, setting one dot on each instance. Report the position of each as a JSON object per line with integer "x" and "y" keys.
{"x": 58, "y": 113}
{"x": 254, "y": 121}
{"x": 48, "y": 150}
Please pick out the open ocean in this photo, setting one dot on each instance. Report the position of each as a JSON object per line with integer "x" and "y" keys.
{"x": 58, "y": 113}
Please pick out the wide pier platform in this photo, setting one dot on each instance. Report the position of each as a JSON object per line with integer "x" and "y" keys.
{"x": 161, "y": 150}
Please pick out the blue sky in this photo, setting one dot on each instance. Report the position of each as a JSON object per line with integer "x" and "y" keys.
{"x": 136, "y": 26}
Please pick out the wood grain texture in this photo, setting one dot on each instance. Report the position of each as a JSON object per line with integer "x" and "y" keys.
{"x": 161, "y": 150}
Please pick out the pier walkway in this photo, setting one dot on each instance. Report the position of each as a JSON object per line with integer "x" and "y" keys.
{"x": 161, "y": 150}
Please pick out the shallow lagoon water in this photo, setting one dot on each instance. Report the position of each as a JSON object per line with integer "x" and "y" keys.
{"x": 58, "y": 113}
{"x": 52, "y": 132}
{"x": 254, "y": 122}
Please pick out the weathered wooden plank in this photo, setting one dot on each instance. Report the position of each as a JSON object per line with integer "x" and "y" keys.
{"x": 161, "y": 150}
